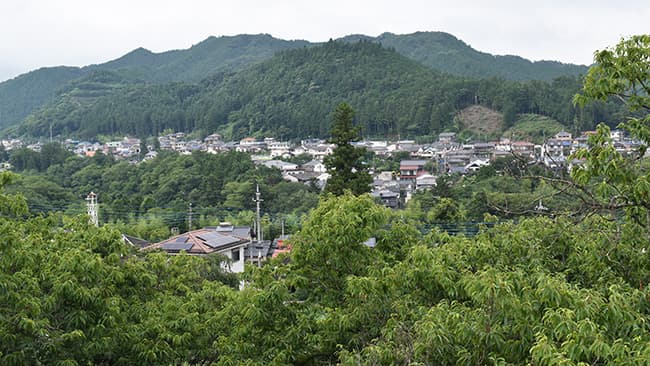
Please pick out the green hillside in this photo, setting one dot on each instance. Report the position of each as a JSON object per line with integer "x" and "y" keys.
{"x": 289, "y": 95}
{"x": 444, "y": 52}
{"x": 203, "y": 59}
{"x": 292, "y": 94}
{"x": 22, "y": 95}
{"x": 534, "y": 128}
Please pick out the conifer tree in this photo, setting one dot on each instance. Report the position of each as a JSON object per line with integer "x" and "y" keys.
{"x": 345, "y": 165}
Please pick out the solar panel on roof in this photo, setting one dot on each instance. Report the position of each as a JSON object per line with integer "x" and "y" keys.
{"x": 176, "y": 246}
{"x": 208, "y": 236}
{"x": 181, "y": 239}
{"x": 218, "y": 242}
{"x": 242, "y": 232}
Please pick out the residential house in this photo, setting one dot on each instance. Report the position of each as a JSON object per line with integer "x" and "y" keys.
{"x": 135, "y": 241}
{"x": 563, "y": 135}
{"x": 225, "y": 239}
{"x": 315, "y": 166}
{"x": 250, "y": 144}
{"x": 282, "y": 165}
{"x": 258, "y": 251}
{"x": 617, "y": 135}
{"x": 411, "y": 169}
{"x": 386, "y": 197}
{"x": 447, "y": 137}
{"x": 523, "y": 148}
{"x": 319, "y": 151}
{"x": 425, "y": 181}
{"x": 476, "y": 165}
{"x": 150, "y": 156}
{"x": 280, "y": 246}
{"x": 213, "y": 139}
{"x": 380, "y": 148}
{"x": 454, "y": 161}
{"x": 484, "y": 150}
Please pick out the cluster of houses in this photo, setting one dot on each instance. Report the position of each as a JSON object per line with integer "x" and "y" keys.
{"x": 239, "y": 243}
{"x": 418, "y": 171}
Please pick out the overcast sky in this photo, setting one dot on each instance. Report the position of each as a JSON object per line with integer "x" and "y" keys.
{"x": 37, "y": 33}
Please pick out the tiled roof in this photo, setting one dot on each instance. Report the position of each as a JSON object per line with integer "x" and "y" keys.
{"x": 204, "y": 241}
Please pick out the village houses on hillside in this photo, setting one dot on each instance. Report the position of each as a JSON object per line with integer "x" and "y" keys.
{"x": 419, "y": 170}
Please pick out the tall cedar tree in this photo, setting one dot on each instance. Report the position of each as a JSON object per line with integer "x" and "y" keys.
{"x": 345, "y": 163}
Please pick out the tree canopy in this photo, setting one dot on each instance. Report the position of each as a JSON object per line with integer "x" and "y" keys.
{"x": 614, "y": 180}
{"x": 538, "y": 291}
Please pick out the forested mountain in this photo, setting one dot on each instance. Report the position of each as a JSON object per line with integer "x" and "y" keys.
{"x": 201, "y": 60}
{"x": 23, "y": 95}
{"x": 292, "y": 94}
{"x": 444, "y": 52}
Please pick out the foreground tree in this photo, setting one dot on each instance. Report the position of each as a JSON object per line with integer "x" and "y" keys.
{"x": 613, "y": 180}
{"x": 345, "y": 166}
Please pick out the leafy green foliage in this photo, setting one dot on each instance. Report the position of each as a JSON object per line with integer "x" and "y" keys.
{"x": 330, "y": 247}
{"x": 615, "y": 181}
{"x": 543, "y": 291}
{"x": 145, "y": 200}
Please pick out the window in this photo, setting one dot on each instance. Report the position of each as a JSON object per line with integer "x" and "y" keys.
{"x": 234, "y": 255}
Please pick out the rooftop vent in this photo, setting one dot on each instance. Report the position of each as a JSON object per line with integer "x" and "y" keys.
{"x": 225, "y": 227}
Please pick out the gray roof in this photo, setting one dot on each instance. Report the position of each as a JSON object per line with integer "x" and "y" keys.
{"x": 412, "y": 162}
{"x": 258, "y": 249}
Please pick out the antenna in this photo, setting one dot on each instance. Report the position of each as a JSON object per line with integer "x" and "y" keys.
{"x": 92, "y": 208}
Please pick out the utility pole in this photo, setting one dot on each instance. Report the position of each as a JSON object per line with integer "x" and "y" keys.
{"x": 189, "y": 219}
{"x": 92, "y": 208}
{"x": 282, "y": 228}
{"x": 258, "y": 200}
{"x": 258, "y": 223}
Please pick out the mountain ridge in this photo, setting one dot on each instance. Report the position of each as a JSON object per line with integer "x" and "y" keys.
{"x": 292, "y": 95}
{"x": 23, "y": 95}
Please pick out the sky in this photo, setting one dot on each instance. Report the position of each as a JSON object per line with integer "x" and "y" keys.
{"x": 39, "y": 33}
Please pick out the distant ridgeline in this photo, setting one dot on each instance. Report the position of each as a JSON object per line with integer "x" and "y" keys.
{"x": 410, "y": 85}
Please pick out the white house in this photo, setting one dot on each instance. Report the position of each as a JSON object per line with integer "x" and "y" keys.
{"x": 225, "y": 239}
{"x": 282, "y": 165}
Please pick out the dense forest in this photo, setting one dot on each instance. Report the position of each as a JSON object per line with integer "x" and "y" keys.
{"x": 444, "y": 52}
{"x": 25, "y": 94}
{"x": 291, "y": 96}
{"x": 438, "y": 51}
{"x": 560, "y": 289}
{"x": 148, "y": 199}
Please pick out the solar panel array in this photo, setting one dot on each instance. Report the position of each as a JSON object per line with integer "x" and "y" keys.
{"x": 214, "y": 240}
{"x": 176, "y": 246}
